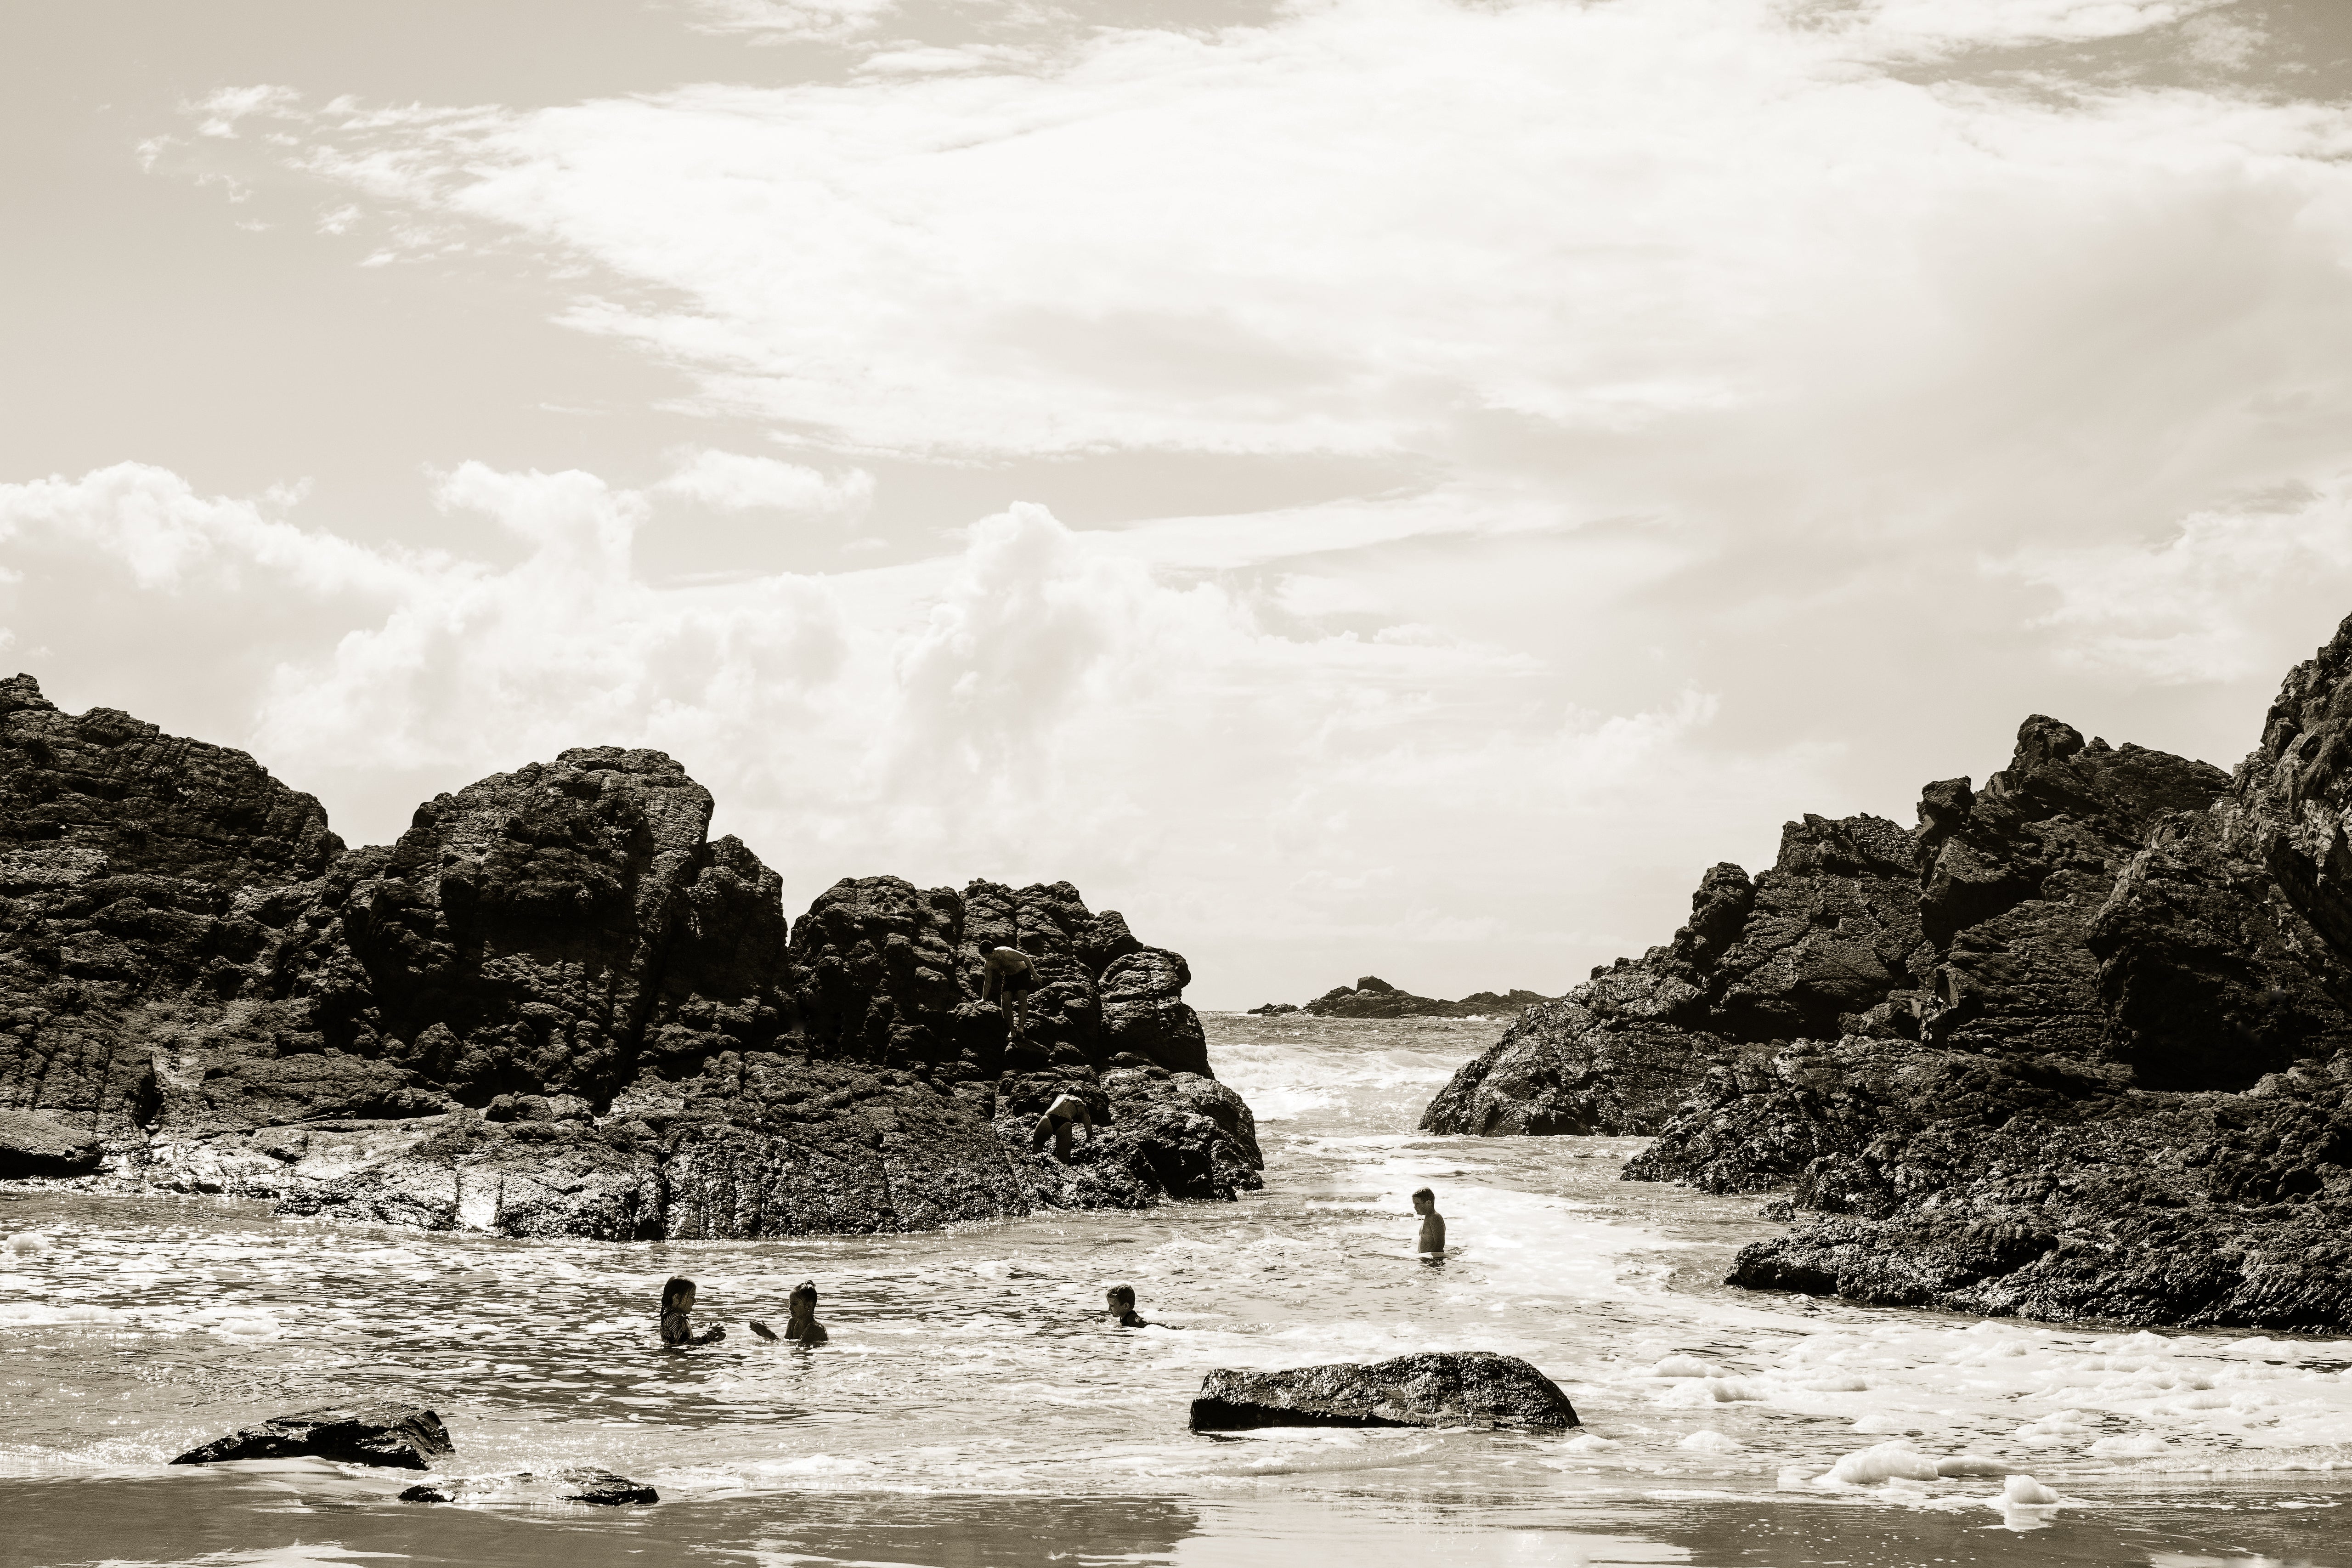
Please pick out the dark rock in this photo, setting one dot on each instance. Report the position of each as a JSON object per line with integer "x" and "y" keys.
{"x": 1471, "y": 1388}
{"x": 1272, "y": 1009}
{"x": 1374, "y": 997}
{"x": 2109, "y": 1079}
{"x": 605, "y": 1489}
{"x": 395, "y": 1436}
{"x": 554, "y": 1008}
{"x": 427, "y": 1491}
{"x": 32, "y": 1144}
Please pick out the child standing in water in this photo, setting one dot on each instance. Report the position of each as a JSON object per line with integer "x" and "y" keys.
{"x": 677, "y": 1325}
{"x": 1433, "y": 1223}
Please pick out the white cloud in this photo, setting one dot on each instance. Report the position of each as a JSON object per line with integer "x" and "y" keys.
{"x": 731, "y": 481}
{"x": 2224, "y": 597}
{"x": 1041, "y": 704}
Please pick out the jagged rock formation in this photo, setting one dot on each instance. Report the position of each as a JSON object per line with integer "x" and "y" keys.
{"x": 2075, "y": 1047}
{"x": 555, "y": 1006}
{"x": 1374, "y": 997}
{"x": 387, "y": 1433}
{"x": 1476, "y": 1389}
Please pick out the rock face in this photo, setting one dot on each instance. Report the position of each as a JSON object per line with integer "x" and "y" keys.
{"x": 399, "y": 1436}
{"x": 1472, "y": 1388}
{"x": 1374, "y": 997}
{"x": 2073, "y": 1047}
{"x": 554, "y": 1008}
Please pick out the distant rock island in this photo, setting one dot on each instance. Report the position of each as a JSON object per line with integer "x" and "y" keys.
{"x": 1374, "y": 997}
{"x": 2073, "y": 1047}
{"x": 554, "y": 1008}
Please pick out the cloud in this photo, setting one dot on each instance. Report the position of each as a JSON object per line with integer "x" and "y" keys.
{"x": 730, "y": 481}
{"x": 1039, "y": 704}
{"x": 2224, "y": 597}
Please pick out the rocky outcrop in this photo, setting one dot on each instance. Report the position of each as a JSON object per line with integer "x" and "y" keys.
{"x": 395, "y": 1436}
{"x": 556, "y": 1006}
{"x": 1374, "y": 997}
{"x": 1474, "y": 1388}
{"x": 32, "y": 1144}
{"x": 2086, "y": 1059}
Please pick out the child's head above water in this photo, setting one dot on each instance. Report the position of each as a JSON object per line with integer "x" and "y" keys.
{"x": 804, "y": 1298}
{"x": 1121, "y": 1297}
{"x": 1423, "y": 1201}
{"x": 678, "y": 1296}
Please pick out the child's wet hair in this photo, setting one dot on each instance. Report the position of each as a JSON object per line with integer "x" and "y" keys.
{"x": 1122, "y": 1293}
{"x": 679, "y": 1286}
{"x": 1424, "y": 1192}
{"x": 804, "y": 1292}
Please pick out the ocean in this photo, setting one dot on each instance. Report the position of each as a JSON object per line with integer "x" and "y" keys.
{"x": 975, "y": 1409}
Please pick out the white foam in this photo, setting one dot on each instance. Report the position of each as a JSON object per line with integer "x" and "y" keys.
{"x": 1884, "y": 1461}
{"x": 2025, "y": 1490}
{"x": 1709, "y": 1442}
{"x": 28, "y": 1242}
{"x": 1684, "y": 1367}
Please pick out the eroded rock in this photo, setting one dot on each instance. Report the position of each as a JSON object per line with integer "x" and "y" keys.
{"x": 390, "y": 1433}
{"x": 553, "y": 1007}
{"x": 1470, "y": 1388}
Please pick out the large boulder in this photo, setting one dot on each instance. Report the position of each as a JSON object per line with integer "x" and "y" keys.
{"x": 554, "y": 1006}
{"x": 1470, "y": 1388}
{"x": 32, "y": 1144}
{"x": 388, "y": 1433}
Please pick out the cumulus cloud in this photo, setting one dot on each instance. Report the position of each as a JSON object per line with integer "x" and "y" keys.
{"x": 2227, "y": 595}
{"x": 1039, "y": 704}
{"x": 1742, "y": 379}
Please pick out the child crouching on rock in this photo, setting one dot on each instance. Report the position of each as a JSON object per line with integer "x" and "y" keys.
{"x": 677, "y": 1326}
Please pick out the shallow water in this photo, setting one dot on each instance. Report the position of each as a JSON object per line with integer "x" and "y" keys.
{"x": 971, "y": 1410}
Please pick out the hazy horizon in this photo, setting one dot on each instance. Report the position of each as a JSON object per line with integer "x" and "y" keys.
{"x": 1362, "y": 487}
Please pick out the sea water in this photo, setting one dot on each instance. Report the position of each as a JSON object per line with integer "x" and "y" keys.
{"x": 973, "y": 1408}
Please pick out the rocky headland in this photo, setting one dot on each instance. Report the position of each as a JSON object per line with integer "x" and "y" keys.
{"x": 2071, "y": 1047}
{"x": 1374, "y": 997}
{"x": 554, "y": 1008}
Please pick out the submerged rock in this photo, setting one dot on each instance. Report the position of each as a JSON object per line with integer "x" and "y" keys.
{"x": 554, "y": 1006}
{"x": 1469, "y": 1388}
{"x": 2075, "y": 1047}
{"x": 605, "y": 1489}
{"x": 396, "y": 1435}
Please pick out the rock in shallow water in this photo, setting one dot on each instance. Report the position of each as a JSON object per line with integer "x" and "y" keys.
{"x": 2078, "y": 1046}
{"x": 554, "y": 1008}
{"x": 395, "y": 1436}
{"x": 605, "y": 1489}
{"x": 1469, "y": 1388}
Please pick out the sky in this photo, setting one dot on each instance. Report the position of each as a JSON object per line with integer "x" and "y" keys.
{"x": 1387, "y": 487}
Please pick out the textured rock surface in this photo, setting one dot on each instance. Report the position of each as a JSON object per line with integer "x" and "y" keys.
{"x": 554, "y": 1008}
{"x": 2107, "y": 1078}
{"x": 1373, "y": 997}
{"x": 32, "y": 1144}
{"x": 1472, "y": 1388}
{"x": 605, "y": 1489}
{"x": 399, "y": 1436}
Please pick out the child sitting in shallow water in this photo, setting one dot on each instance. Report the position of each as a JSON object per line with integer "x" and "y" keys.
{"x": 677, "y": 1325}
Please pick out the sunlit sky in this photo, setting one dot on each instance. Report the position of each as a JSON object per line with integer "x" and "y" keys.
{"x": 1377, "y": 486}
